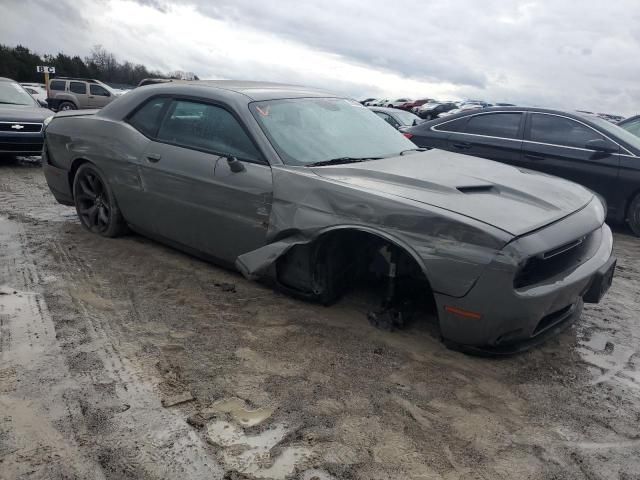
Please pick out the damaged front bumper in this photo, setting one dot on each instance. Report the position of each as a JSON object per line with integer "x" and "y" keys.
{"x": 511, "y": 319}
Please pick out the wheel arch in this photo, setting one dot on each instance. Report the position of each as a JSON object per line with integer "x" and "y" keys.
{"x": 75, "y": 165}
{"x": 327, "y": 233}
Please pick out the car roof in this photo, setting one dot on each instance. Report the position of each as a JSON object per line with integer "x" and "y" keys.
{"x": 628, "y": 120}
{"x": 5, "y": 79}
{"x": 254, "y": 90}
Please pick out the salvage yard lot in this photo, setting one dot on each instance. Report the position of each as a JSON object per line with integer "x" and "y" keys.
{"x": 124, "y": 359}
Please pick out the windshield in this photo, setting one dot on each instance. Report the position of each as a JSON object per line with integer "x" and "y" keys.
{"x": 617, "y": 131}
{"x": 310, "y": 130}
{"x": 406, "y": 118}
{"x": 13, "y": 94}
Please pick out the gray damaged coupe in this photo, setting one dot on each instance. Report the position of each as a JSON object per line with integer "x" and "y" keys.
{"x": 316, "y": 193}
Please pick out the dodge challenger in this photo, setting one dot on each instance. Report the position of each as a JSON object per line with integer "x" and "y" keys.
{"x": 311, "y": 192}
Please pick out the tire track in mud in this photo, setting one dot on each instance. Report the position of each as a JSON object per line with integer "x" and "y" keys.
{"x": 168, "y": 441}
{"x": 108, "y": 395}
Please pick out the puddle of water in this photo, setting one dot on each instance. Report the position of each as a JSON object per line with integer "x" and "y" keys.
{"x": 610, "y": 361}
{"x": 316, "y": 474}
{"x": 237, "y": 409}
{"x": 251, "y": 454}
{"x": 227, "y": 434}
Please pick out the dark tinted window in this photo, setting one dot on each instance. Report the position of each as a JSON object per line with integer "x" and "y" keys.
{"x": 560, "y": 131}
{"x": 78, "y": 87}
{"x": 147, "y": 119}
{"x": 208, "y": 127}
{"x": 456, "y": 125}
{"x": 57, "y": 85}
{"x": 98, "y": 90}
{"x": 503, "y": 125}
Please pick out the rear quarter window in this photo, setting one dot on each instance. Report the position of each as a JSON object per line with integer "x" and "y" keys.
{"x": 457, "y": 125}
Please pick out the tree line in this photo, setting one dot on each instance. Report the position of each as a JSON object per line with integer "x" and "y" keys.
{"x": 19, "y": 63}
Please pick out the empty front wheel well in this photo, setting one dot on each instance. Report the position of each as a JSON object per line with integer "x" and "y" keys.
{"x": 346, "y": 259}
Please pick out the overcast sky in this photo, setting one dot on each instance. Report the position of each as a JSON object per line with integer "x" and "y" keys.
{"x": 560, "y": 53}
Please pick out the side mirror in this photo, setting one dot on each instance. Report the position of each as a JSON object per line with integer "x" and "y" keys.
{"x": 235, "y": 165}
{"x": 415, "y": 122}
{"x": 43, "y": 104}
{"x": 601, "y": 145}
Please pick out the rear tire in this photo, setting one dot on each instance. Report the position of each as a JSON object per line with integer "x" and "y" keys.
{"x": 633, "y": 215}
{"x": 64, "y": 106}
{"x": 95, "y": 203}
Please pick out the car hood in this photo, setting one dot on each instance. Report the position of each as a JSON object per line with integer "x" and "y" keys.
{"x": 23, "y": 113}
{"x": 514, "y": 200}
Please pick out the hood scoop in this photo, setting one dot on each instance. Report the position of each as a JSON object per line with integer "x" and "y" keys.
{"x": 478, "y": 189}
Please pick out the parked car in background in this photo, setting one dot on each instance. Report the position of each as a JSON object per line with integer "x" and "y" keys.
{"x": 314, "y": 193}
{"x": 464, "y": 108}
{"x": 397, "y": 103}
{"x": 413, "y": 106}
{"x": 398, "y": 119}
{"x": 22, "y": 120}
{"x": 583, "y": 148}
{"x": 367, "y": 100}
{"x": 78, "y": 93}
{"x": 37, "y": 91}
{"x": 381, "y": 102}
{"x": 429, "y": 111}
{"x": 631, "y": 124}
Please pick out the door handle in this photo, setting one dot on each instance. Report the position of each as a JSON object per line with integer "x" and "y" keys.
{"x": 153, "y": 157}
{"x": 462, "y": 145}
{"x": 91, "y": 96}
{"x": 531, "y": 156}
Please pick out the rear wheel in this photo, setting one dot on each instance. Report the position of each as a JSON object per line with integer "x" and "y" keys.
{"x": 64, "y": 106}
{"x": 633, "y": 215}
{"x": 96, "y": 204}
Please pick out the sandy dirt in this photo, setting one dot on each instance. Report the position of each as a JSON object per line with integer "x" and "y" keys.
{"x": 124, "y": 359}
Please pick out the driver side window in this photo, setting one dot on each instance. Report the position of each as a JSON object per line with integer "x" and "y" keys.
{"x": 206, "y": 127}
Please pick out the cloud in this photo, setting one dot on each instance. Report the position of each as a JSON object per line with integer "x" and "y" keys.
{"x": 543, "y": 52}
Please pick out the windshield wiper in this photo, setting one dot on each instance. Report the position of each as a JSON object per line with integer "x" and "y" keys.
{"x": 340, "y": 161}
{"x": 412, "y": 150}
{"x": 12, "y": 103}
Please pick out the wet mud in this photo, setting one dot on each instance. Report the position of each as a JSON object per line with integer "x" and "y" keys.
{"x": 124, "y": 359}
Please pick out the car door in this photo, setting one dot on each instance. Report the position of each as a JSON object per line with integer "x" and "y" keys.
{"x": 557, "y": 145}
{"x": 79, "y": 90}
{"x": 98, "y": 96}
{"x": 208, "y": 184}
{"x": 493, "y": 135}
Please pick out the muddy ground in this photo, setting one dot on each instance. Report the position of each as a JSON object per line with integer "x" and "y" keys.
{"x": 124, "y": 359}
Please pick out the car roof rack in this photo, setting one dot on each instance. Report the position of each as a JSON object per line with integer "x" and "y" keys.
{"x": 79, "y": 79}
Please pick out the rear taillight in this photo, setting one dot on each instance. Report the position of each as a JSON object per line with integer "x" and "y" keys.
{"x": 408, "y": 135}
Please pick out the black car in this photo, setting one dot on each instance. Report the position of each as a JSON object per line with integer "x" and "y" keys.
{"x": 22, "y": 120}
{"x": 578, "y": 147}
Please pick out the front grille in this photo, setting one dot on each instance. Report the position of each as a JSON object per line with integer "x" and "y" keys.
{"x": 20, "y": 127}
{"x": 21, "y": 147}
{"x": 563, "y": 258}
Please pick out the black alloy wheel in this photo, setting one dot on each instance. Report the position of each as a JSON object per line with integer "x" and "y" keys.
{"x": 95, "y": 203}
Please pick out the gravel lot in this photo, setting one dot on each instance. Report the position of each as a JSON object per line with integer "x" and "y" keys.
{"x": 124, "y": 359}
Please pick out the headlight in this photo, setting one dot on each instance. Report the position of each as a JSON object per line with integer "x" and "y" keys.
{"x": 46, "y": 122}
